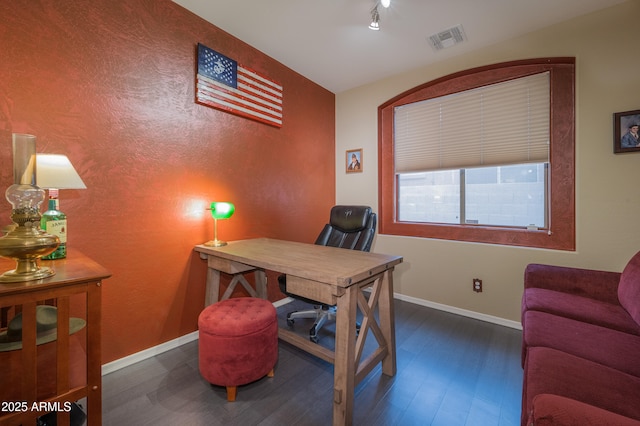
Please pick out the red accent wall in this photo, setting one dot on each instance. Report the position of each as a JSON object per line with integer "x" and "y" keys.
{"x": 111, "y": 85}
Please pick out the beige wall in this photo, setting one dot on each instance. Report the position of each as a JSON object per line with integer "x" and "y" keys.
{"x": 606, "y": 45}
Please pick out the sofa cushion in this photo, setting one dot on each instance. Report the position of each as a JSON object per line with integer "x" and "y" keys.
{"x": 599, "y": 344}
{"x": 554, "y": 410}
{"x": 594, "y": 284}
{"x": 551, "y": 371}
{"x": 629, "y": 288}
{"x": 579, "y": 308}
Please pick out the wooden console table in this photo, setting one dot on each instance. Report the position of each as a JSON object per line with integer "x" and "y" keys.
{"x": 333, "y": 276}
{"x": 76, "y": 277}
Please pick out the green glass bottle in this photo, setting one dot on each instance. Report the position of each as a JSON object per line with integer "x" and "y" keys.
{"x": 54, "y": 222}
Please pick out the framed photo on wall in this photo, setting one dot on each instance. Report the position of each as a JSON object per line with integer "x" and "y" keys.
{"x": 354, "y": 161}
{"x": 625, "y": 131}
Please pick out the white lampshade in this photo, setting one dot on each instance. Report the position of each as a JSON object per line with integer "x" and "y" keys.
{"x": 54, "y": 171}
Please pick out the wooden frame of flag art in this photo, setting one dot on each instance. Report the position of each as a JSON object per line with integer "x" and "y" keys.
{"x": 224, "y": 84}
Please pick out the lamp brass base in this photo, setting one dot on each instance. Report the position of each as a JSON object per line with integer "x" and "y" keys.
{"x": 15, "y": 276}
{"x": 215, "y": 243}
{"x": 25, "y": 245}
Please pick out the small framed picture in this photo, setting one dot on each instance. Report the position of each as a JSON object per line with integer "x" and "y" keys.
{"x": 625, "y": 131}
{"x": 354, "y": 161}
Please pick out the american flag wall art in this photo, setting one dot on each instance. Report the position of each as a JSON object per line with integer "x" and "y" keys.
{"x": 224, "y": 84}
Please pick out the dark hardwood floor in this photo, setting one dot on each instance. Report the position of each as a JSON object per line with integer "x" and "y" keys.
{"x": 452, "y": 371}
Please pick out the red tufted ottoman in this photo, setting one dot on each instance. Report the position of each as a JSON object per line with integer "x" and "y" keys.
{"x": 238, "y": 342}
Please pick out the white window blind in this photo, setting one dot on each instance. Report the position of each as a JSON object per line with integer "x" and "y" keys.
{"x": 503, "y": 123}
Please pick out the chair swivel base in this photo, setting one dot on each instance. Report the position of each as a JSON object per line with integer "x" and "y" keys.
{"x": 321, "y": 314}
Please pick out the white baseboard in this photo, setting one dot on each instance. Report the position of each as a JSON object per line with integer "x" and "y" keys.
{"x": 459, "y": 311}
{"x": 118, "y": 364}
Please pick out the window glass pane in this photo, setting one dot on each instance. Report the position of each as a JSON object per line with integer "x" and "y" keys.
{"x": 493, "y": 196}
{"x": 429, "y": 197}
{"x": 506, "y": 195}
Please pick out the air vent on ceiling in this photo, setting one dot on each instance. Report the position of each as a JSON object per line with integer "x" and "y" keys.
{"x": 447, "y": 38}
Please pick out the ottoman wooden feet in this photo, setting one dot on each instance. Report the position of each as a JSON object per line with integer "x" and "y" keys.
{"x": 238, "y": 342}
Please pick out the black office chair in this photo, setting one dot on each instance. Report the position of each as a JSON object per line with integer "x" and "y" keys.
{"x": 349, "y": 227}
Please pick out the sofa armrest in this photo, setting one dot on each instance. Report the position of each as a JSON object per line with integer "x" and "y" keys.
{"x": 599, "y": 285}
{"x": 554, "y": 410}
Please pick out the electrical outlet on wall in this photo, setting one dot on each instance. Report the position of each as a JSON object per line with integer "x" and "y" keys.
{"x": 477, "y": 285}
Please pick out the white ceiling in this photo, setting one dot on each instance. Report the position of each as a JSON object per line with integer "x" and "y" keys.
{"x": 328, "y": 41}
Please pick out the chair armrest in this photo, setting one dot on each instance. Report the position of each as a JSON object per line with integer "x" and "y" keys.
{"x": 599, "y": 285}
{"x": 556, "y": 410}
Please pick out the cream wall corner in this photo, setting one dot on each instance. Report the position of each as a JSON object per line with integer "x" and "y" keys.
{"x": 606, "y": 45}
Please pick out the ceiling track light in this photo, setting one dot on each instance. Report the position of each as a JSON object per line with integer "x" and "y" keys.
{"x": 375, "y": 19}
{"x": 385, "y": 3}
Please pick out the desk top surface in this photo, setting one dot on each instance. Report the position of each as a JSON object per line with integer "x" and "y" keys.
{"x": 319, "y": 263}
{"x": 75, "y": 268}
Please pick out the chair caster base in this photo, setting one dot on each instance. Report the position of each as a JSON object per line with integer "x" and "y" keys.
{"x": 290, "y": 321}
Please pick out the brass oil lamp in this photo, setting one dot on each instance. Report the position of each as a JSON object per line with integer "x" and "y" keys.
{"x": 25, "y": 242}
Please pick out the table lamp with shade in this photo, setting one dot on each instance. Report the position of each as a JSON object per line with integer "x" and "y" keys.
{"x": 219, "y": 210}
{"x": 55, "y": 172}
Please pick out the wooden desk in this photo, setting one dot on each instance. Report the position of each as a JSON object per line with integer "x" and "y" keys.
{"x": 76, "y": 276}
{"x": 337, "y": 277}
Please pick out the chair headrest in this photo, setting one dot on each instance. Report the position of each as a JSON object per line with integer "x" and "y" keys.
{"x": 350, "y": 218}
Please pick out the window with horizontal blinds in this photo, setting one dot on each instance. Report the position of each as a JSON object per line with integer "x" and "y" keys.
{"x": 497, "y": 124}
{"x": 416, "y": 201}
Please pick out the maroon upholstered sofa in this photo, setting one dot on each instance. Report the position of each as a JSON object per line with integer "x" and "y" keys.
{"x": 581, "y": 346}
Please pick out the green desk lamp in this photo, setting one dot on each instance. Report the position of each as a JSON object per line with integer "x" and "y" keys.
{"x": 219, "y": 210}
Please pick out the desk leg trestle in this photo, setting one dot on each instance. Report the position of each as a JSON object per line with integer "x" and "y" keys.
{"x": 344, "y": 366}
{"x": 213, "y": 286}
{"x": 349, "y": 369}
{"x": 387, "y": 323}
{"x": 261, "y": 283}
